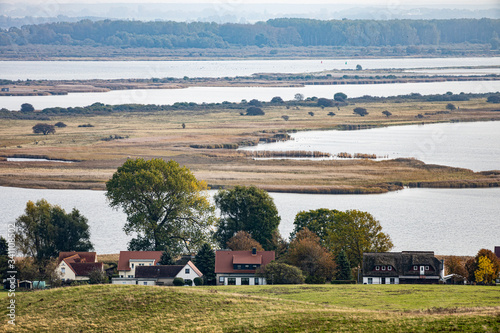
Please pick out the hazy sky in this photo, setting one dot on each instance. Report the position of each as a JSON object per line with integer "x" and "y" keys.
{"x": 493, "y": 3}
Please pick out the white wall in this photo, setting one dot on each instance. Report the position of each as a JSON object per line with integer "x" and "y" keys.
{"x": 191, "y": 275}
{"x": 378, "y": 280}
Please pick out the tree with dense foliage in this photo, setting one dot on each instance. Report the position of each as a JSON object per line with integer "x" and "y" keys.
{"x": 359, "y": 67}
{"x": 255, "y": 111}
{"x": 306, "y": 253}
{"x": 205, "y": 262}
{"x": 357, "y": 232}
{"x": 27, "y": 107}
{"x": 166, "y": 206}
{"x": 318, "y": 221}
{"x": 325, "y": 102}
{"x": 44, "y": 129}
{"x": 387, "y": 113}
{"x": 4, "y": 258}
{"x": 255, "y": 102}
{"x": 281, "y": 273}
{"x": 455, "y": 265}
{"x": 361, "y": 111}
{"x": 483, "y": 268}
{"x": 344, "y": 271}
{"x": 243, "y": 241}
{"x": 298, "y": 97}
{"x": 98, "y": 276}
{"x": 167, "y": 258}
{"x": 277, "y": 100}
{"x": 60, "y": 124}
{"x": 340, "y": 97}
{"x": 45, "y": 230}
{"x": 450, "y": 107}
{"x": 249, "y": 209}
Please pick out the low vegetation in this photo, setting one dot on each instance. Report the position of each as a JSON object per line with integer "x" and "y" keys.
{"x": 350, "y": 308}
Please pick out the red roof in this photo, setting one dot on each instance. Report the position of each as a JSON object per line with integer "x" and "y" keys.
{"x": 126, "y": 256}
{"x": 224, "y": 260}
{"x": 80, "y": 256}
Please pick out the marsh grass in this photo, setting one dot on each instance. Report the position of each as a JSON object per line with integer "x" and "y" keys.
{"x": 105, "y": 308}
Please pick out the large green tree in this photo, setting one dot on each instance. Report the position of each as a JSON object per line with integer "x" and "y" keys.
{"x": 44, "y": 230}
{"x": 166, "y": 206}
{"x": 353, "y": 231}
{"x": 249, "y": 209}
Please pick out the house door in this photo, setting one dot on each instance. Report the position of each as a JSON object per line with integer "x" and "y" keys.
{"x": 422, "y": 270}
{"x": 383, "y": 281}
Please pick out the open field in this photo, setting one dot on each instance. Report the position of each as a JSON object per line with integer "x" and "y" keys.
{"x": 161, "y": 135}
{"x": 301, "y": 308}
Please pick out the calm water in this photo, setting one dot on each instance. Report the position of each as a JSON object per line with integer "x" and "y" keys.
{"x": 81, "y": 70}
{"x": 236, "y": 94}
{"x": 447, "y": 221}
{"x": 473, "y": 146}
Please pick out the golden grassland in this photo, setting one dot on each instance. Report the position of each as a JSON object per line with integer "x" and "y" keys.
{"x": 161, "y": 135}
{"x": 297, "y": 308}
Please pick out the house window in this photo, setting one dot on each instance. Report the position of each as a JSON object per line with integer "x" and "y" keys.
{"x": 383, "y": 268}
{"x": 377, "y": 268}
{"x": 186, "y": 271}
{"x": 145, "y": 283}
{"x": 370, "y": 280}
{"x": 389, "y": 268}
{"x": 221, "y": 279}
{"x": 426, "y": 268}
{"x": 415, "y": 268}
{"x": 239, "y": 266}
{"x": 231, "y": 281}
{"x": 121, "y": 276}
{"x": 245, "y": 281}
{"x": 393, "y": 280}
{"x": 256, "y": 282}
{"x": 247, "y": 266}
{"x": 63, "y": 270}
{"x": 132, "y": 265}
{"x": 130, "y": 276}
{"x": 254, "y": 266}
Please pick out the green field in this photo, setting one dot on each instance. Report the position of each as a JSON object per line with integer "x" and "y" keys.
{"x": 300, "y": 308}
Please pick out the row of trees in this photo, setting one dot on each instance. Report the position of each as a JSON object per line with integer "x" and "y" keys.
{"x": 481, "y": 269}
{"x": 273, "y": 33}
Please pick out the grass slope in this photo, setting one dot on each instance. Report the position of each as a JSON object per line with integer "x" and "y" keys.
{"x": 326, "y": 308}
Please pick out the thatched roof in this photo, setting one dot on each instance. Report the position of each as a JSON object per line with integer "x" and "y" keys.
{"x": 402, "y": 263}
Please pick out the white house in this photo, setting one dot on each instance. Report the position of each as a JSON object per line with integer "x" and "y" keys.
{"x": 164, "y": 275}
{"x": 239, "y": 267}
{"x": 130, "y": 260}
{"x": 76, "y": 266}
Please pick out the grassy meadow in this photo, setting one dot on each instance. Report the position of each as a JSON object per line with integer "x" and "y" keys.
{"x": 297, "y": 308}
{"x": 161, "y": 135}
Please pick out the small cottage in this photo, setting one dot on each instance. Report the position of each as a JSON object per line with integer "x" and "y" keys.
{"x": 130, "y": 260}
{"x": 76, "y": 266}
{"x": 164, "y": 275}
{"x": 407, "y": 267}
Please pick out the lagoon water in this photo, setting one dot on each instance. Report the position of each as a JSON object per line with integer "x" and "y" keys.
{"x": 447, "y": 221}
{"x": 83, "y": 70}
{"x": 236, "y": 94}
{"x": 473, "y": 146}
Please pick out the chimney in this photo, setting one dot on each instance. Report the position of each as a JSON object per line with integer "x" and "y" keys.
{"x": 254, "y": 251}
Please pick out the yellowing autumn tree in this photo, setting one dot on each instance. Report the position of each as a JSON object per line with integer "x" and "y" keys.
{"x": 485, "y": 271}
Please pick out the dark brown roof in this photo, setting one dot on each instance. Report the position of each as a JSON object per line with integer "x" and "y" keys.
{"x": 402, "y": 262}
{"x": 224, "y": 260}
{"x": 159, "y": 271}
{"x": 80, "y": 256}
{"x": 84, "y": 268}
{"x": 125, "y": 256}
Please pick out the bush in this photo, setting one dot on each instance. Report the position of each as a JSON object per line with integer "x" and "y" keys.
{"x": 340, "y": 97}
{"x": 60, "y": 124}
{"x": 255, "y": 102}
{"x": 280, "y": 273}
{"x": 179, "y": 282}
{"x": 277, "y": 100}
{"x": 361, "y": 111}
{"x": 198, "y": 281}
{"x": 343, "y": 281}
{"x": 315, "y": 279}
{"x": 44, "y": 128}
{"x": 493, "y": 99}
{"x": 255, "y": 111}
{"x": 325, "y": 102}
{"x": 188, "y": 282}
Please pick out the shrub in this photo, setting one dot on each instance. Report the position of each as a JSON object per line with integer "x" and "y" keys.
{"x": 340, "y": 97}
{"x": 198, "y": 281}
{"x": 188, "y": 282}
{"x": 387, "y": 113}
{"x": 255, "y": 102}
{"x": 255, "y": 111}
{"x": 281, "y": 273}
{"x": 361, "y": 111}
{"x": 285, "y": 117}
{"x": 450, "y": 107}
{"x": 331, "y": 114}
{"x": 493, "y": 99}
{"x": 179, "y": 282}
{"x": 315, "y": 279}
{"x": 60, "y": 124}
{"x": 44, "y": 128}
{"x": 325, "y": 102}
{"x": 277, "y": 100}
{"x": 26, "y": 107}
{"x": 343, "y": 281}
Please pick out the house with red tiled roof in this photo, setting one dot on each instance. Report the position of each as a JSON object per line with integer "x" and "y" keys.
{"x": 129, "y": 261}
{"x": 239, "y": 267}
{"x": 76, "y": 266}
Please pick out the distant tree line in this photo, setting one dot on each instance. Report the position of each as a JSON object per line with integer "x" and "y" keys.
{"x": 273, "y": 33}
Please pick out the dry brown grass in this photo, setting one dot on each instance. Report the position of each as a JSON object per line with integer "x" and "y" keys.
{"x": 160, "y": 135}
